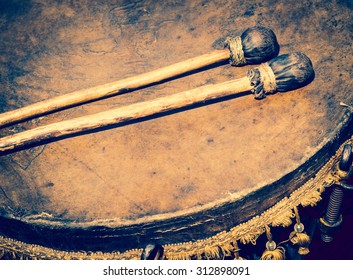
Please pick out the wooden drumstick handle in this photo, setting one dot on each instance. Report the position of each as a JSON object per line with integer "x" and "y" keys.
{"x": 283, "y": 73}
{"x": 109, "y": 89}
{"x": 123, "y": 114}
{"x": 256, "y": 44}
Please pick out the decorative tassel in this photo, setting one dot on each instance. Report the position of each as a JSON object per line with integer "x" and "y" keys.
{"x": 272, "y": 252}
{"x": 276, "y": 254}
{"x": 212, "y": 252}
{"x": 226, "y": 250}
{"x": 299, "y": 237}
{"x": 312, "y": 200}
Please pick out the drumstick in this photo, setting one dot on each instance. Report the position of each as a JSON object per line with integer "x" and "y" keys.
{"x": 283, "y": 73}
{"x": 255, "y": 45}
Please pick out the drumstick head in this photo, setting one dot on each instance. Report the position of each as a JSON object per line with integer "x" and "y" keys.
{"x": 292, "y": 71}
{"x": 283, "y": 73}
{"x": 259, "y": 44}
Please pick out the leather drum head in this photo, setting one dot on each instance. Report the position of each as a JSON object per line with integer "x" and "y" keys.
{"x": 177, "y": 177}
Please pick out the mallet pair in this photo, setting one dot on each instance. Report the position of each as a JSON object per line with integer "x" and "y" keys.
{"x": 257, "y": 44}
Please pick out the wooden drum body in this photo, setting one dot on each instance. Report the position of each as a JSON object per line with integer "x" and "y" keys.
{"x": 186, "y": 176}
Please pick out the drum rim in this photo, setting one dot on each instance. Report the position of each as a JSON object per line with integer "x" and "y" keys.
{"x": 90, "y": 233}
{"x": 281, "y": 214}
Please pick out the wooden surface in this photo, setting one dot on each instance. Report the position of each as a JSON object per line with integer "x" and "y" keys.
{"x": 177, "y": 177}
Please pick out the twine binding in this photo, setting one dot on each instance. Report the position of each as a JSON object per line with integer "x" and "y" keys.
{"x": 237, "y": 57}
{"x": 263, "y": 80}
{"x": 268, "y": 78}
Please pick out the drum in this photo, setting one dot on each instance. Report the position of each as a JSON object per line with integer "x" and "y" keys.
{"x": 197, "y": 181}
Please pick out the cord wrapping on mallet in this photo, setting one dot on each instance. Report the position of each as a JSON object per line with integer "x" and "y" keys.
{"x": 237, "y": 57}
